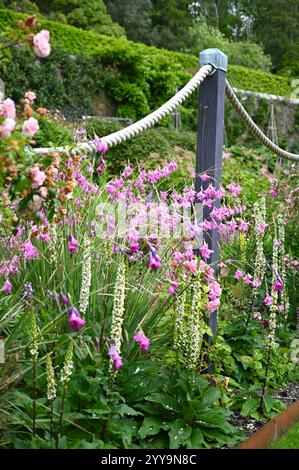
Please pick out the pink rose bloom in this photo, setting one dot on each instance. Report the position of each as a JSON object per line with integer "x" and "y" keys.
{"x": 256, "y": 283}
{"x": 7, "y": 127}
{"x": 7, "y": 286}
{"x": 238, "y": 274}
{"x": 41, "y": 43}
{"x": 30, "y": 96}
{"x": 43, "y": 192}
{"x": 268, "y": 300}
{"x": 142, "y": 340}
{"x": 29, "y": 250}
{"x": 30, "y": 127}
{"x": 38, "y": 177}
{"x": 213, "y": 305}
{"x": 8, "y": 109}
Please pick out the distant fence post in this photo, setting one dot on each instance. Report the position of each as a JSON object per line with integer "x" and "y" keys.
{"x": 210, "y": 134}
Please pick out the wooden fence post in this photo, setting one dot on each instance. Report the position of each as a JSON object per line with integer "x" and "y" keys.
{"x": 210, "y": 140}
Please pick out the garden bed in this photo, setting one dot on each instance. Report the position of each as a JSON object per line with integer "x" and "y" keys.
{"x": 288, "y": 395}
{"x": 275, "y": 428}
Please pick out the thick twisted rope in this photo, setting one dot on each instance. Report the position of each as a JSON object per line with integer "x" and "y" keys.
{"x": 150, "y": 120}
{"x": 254, "y": 129}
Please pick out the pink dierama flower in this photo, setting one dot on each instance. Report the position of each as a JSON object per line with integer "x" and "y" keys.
{"x": 247, "y": 279}
{"x": 127, "y": 172}
{"x": 273, "y": 192}
{"x": 234, "y": 189}
{"x": 281, "y": 308}
{"x": 201, "y": 196}
{"x": 276, "y": 244}
{"x": 134, "y": 247}
{"x": 29, "y": 250}
{"x": 154, "y": 260}
{"x": 232, "y": 226}
{"x": 261, "y": 227}
{"x": 30, "y": 127}
{"x": 268, "y": 300}
{"x": 101, "y": 146}
{"x": 142, "y": 340}
{"x": 238, "y": 274}
{"x": 190, "y": 265}
{"x": 75, "y": 321}
{"x": 243, "y": 226}
{"x": 41, "y": 43}
{"x": 7, "y": 127}
{"x": 116, "y": 357}
{"x": 256, "y": 283}
{"x": 204, "y": 177}
{"x": 73, "y": 244}
{"x": 278, "y": 285}
{"x": 7, "y": 286}
{"x": 205, "y": 251}
{"x": 173, "y": 288}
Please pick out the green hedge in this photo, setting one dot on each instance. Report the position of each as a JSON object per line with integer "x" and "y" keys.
{"x": 150, "y": 61}
{"x": 137, "y": 78}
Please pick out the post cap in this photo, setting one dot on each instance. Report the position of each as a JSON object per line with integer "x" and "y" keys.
{"x": 215, "y": 57}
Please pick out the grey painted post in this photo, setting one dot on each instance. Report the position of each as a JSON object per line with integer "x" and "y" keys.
{"x": 210, "y": 139}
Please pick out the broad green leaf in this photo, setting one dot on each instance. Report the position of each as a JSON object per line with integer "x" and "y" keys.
{"x": 150, "y": 427}
{"x": 196, "y": 440}
{"x": 249, "y": 406}
{"x": 127, "y": 410}
{"x": 178, "y": 434}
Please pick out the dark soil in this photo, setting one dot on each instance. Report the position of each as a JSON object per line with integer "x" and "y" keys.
{"x": 288, "y": 394}
{"x": 249, "y": 426}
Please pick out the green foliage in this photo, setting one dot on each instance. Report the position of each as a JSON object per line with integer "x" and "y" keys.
{"x": 274, "y": 23}
{"x": 245, "y": 53}
{"x": 52, "y": 133}
{"x": 88, "y": 14}
{"x": 135, "y": 17}
{"x": 155, "y": 72}
{"x": 147, "y": 149}
{"x": 59, "y": 81}
{"x": 26, "y": 6}
{"x": 290, "y": 440}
